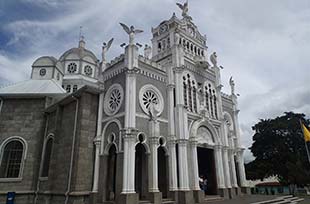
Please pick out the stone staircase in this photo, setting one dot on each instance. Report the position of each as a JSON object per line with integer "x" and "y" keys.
{"x": 282, "y": 200}
{"x": 164, "y": 201}
{"x": 213, "y": 198}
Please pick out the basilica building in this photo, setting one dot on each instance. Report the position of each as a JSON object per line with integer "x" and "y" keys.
{"x": 139, "y": 128}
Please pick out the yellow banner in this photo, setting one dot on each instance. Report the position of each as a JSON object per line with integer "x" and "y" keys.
{"x": 306, "y": 133}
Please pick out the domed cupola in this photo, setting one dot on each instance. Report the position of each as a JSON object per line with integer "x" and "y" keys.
{"x": 80, "y": 61}
{"x": 81, "y": 67}
{"x": 47, "y": 67}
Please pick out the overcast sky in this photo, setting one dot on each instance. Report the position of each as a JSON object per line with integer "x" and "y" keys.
{"x": 264, "y": 45}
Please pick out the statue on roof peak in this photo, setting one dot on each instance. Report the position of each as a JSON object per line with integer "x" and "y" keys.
{"x": 184, "y": 8}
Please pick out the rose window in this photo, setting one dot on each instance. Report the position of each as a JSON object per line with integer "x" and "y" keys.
{"x": 88, "y": 70}
{"x": 72, "y": 68}
{"x": 148, "y": 98}
{"x": 148, "y": 95}
{"x": 113, "y": 99}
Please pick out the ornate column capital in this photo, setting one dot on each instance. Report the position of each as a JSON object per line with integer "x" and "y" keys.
{"x": 218, "y": 147}
{"x": 170, "y": 86}
{"x": 133, "y": 71}
{"x": 154, "y": 140}
{"x": 193, "y": 141}
{"x": 182, "y": 141}
{"x": 97, "y": 141}
{"x": 225, "y": 148}
{"x": 179, "y": 69}
{"x": 129, "y": 133}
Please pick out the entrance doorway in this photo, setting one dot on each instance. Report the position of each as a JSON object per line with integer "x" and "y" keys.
{"x": 206, "y": 167}
{"x": 111, "y": 176}
{"x": 141, "y": 172}
{"x": 163, "y": 180}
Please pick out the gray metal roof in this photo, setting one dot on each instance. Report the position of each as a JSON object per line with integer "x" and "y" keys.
{"x": 33, "y": 87}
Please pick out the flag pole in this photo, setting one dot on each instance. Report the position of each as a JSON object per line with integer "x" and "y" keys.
{"x": 305, "y": 141}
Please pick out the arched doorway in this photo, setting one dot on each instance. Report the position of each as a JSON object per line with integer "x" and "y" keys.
{"x": 141, "y": 171}
{"x": 163, "y": 180}
{"x": 206, "y": 168}
{"x": 111, "y": 174}
{"x": 206, "y": 160}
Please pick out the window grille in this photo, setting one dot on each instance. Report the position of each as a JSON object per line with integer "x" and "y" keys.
{"x": 11, "y": 160}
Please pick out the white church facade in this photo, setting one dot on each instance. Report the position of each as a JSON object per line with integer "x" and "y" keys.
{"x": 138, "y": 128}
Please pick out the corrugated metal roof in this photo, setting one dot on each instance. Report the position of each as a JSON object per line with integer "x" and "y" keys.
{"x": 33, "y": 87}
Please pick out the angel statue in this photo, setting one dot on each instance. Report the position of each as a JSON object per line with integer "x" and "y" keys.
{"x": 232, "y": 85}
{"x": 153, "y": 111}
{"x": 213, "y": 59}
{"x": 105, "y": 48}
{"x": 184, "y": 8}
{"x": 131, "y": 32}
{"x": 147, "y": 51}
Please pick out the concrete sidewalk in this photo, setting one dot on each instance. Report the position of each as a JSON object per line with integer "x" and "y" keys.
{"x": 247, "y": 199}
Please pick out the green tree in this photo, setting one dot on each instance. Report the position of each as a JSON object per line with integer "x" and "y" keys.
{"x": 279, "y": 149}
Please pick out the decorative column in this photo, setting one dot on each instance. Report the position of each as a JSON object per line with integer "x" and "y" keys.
{"x": 226, "y": 168}
{"x": 233, "y": 174}
{"x": 129, "y": 136}
{"x": 153, "y": 165}
{"x": 219, "y": 166}
{"x": 193, "y": 147}
{"x": 97, "y": 143}
{"x": 131, "y": 61}
{"x": 241, "y": 168}
{"x": 197, "y": 192}
{"x": 173, "y": 175}
{"x": 183, "y": 166}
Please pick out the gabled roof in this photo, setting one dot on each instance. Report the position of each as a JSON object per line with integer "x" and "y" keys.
{"x": 40, "y": 87}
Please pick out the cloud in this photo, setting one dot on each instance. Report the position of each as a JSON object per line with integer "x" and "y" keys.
{"x": 264, "y": 44}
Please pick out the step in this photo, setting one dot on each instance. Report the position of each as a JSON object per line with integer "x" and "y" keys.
{"x": 268, "y": 201}
{"x": 144, "y": 202}
{"x": 168, "y": 201}
{"x": 212, "y": 198}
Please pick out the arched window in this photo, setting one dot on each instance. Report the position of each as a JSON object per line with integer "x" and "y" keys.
{"x": 190, "y": 103}
{"x": 207, "y": 98}
{"x": 12, "y": 158}
{"x": 215, "y": 106}
{"x": 194, "y": 97}
{"x": 185, "y": 91}
{"x": 211, "y": 104}
{"x": 47, "y": 157}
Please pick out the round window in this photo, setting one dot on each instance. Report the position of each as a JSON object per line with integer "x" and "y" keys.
{"x": 148, "y": 95}
{"x": 113, "y": 99}
{"x": 72, "y": 67}
{"x": 42, "y": 72}
{"x": 88, "y": 70}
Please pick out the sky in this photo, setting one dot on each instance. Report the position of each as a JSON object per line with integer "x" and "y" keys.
{"x": 264, "y": 45}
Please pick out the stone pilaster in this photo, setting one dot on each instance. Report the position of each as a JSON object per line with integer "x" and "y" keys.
{"x": 198, "y": 194}
{"x": 233, "y": 174}
{"x": 194, "y": 164}
{"x": 183, "y": 166}
{"x": 241, "y": 168}
{"x": 219, "y": 166}
{"x": 226, "y": 167}
{"x": 129, "y": 136}
{"x": 97, "y": 143}
{"x": 131, "y": 62}
{"x": 153, "y": 164}
{"x": 173, "y": 179}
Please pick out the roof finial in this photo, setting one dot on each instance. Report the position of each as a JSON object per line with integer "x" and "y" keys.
{"x": 81, "y": 38}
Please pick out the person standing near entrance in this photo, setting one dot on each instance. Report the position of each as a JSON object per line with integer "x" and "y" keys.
{"x": 205, "y": 184}
{"x": 201, "y": 181}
